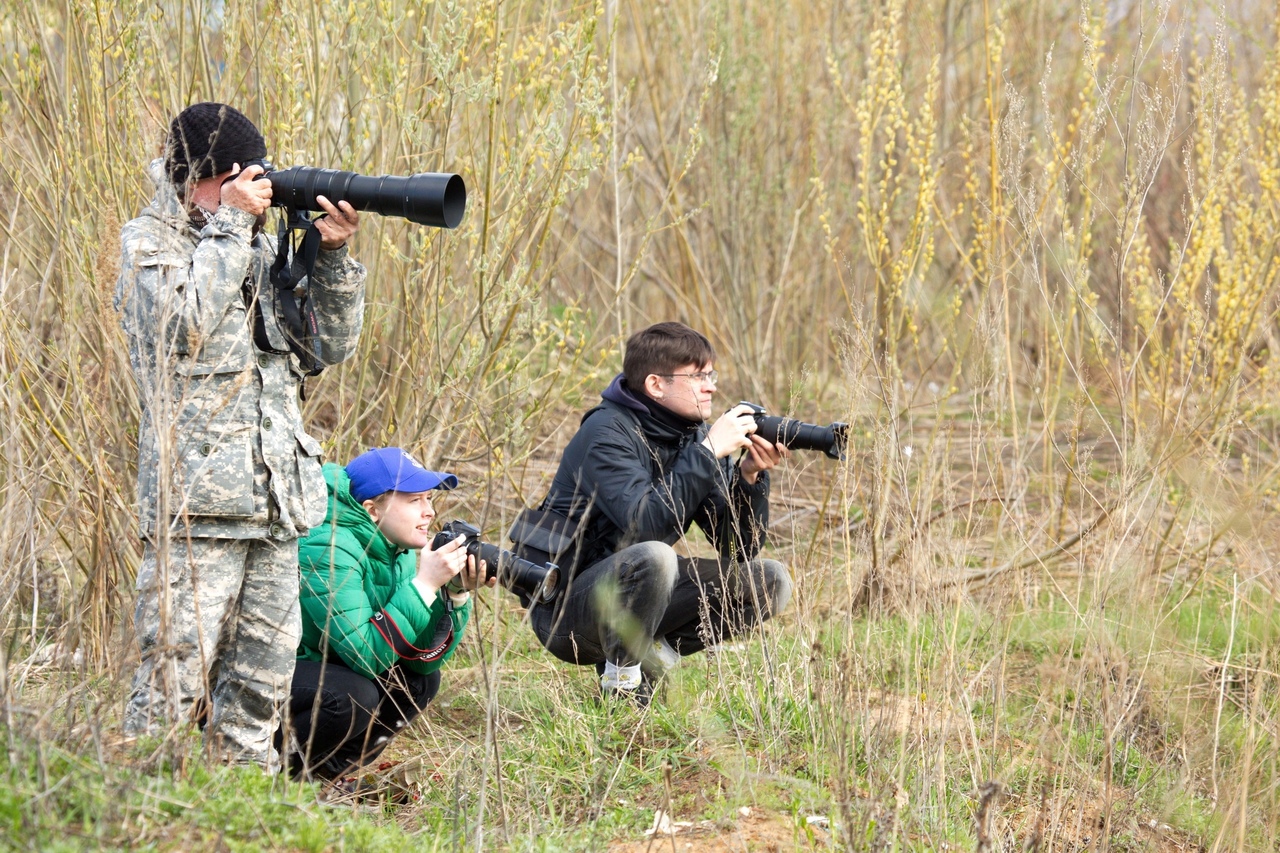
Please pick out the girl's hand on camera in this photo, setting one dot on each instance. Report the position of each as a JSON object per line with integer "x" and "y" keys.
{"x": 437, "y": 568}
{"x": 472, "y": 576}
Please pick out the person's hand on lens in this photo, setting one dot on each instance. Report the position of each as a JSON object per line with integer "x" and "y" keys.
{"x": 761, "y": 456}
{"x": 339, "y": 226}
{"x": 472, "y": 576}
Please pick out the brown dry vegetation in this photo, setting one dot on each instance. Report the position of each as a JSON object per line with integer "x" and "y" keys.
{"x": 1026, "y": 249}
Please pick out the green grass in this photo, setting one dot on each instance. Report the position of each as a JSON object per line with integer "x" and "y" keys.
{"x": 927, "y": 706}
{"x": 57, "y": 799}
{"x": 745, "y": 728}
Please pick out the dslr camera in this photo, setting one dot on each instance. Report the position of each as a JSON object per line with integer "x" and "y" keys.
{"x": 539, "y": 582}
{"x": 798, "y": 435}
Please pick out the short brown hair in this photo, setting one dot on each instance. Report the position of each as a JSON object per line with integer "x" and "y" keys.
{"x": 662, "y": 348}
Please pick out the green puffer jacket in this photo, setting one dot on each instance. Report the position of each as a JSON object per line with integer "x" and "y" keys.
{"x": 358, "y": 601}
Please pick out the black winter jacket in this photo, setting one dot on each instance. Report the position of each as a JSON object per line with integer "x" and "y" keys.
{"x": 629, "y": 477}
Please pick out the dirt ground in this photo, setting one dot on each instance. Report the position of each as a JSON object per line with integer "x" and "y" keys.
{"x": 753, "y": 830}
{"x": 760, "y": 831}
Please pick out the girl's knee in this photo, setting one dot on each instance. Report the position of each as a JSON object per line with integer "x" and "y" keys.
{"x": 365, "y": 696}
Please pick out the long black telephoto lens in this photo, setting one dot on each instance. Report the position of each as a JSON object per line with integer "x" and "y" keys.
{"x": 798, "y": 435}
{"x": 540, "y": 582}
{"x": 437, "y": 199}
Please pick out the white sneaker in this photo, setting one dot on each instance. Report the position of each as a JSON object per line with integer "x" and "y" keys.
{"x": 620, "y": 677}
{"x": 661, "y": 658}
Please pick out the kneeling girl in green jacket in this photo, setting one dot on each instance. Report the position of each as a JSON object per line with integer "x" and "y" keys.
{"x": 381, "y": 612}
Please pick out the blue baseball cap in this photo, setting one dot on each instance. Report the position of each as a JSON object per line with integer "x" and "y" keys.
{"x": 386, "y": 469}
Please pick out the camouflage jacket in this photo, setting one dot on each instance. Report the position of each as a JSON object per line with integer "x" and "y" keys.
{"x": 221, "y": 447}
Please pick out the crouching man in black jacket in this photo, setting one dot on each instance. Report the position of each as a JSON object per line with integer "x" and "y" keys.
{"x": 642, "y": 467}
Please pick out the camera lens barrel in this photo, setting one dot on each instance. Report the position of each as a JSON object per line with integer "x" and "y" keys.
{"x": 513, "y": 572}
{"x": 798, "y": 435}
{"x": 436, "y": 199}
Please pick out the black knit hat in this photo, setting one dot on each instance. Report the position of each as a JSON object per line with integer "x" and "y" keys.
{"x": 207, "y": 139}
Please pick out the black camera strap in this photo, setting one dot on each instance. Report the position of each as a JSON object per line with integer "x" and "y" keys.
{"x": 296, "y": 313}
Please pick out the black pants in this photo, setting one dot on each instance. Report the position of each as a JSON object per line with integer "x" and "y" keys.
{"x": 614, "y": 609}
{"x": 343, "y": 720}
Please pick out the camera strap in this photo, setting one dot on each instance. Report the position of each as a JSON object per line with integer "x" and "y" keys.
{"x": 295, "y": 313}
{"x": 395, "y": 638}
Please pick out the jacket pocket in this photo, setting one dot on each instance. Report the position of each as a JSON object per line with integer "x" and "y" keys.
{"x": 226, "y": 349}
{"x": 213, "y": 476}
{"x": 315, "y": 494}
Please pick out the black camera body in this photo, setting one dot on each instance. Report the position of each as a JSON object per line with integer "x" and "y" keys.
{"x": 437, "y": 199}
{"x": 539, "y": 582}
{"x": 798, "y": 435}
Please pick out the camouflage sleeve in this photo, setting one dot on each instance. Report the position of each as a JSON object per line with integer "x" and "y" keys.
{"x": 339, "y": 301}
{"x": 199, "y": 297}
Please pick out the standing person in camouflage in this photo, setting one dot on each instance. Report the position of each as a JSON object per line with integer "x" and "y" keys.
{"x": 228, "y": 479}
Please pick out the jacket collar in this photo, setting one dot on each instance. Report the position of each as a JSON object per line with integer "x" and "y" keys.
{"x": 619, "y": 392}
{"x": 165, "y": 205}
{"x": 351, "y": 516}
{"x": 658, "y": 422}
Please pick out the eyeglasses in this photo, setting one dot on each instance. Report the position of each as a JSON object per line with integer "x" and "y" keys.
{"x": 703, "y": 376}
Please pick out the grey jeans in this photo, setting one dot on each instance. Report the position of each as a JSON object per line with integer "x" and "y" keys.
{"x": 614, "y": 610}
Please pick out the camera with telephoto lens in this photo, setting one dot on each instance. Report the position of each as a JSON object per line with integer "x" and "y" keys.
{"x": 539, "y": 582}
{"x": 798, "y": 435}
{"x": 437, "y": 199}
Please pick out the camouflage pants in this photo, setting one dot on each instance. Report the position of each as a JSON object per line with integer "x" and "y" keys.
{"x": 218, "y": 625}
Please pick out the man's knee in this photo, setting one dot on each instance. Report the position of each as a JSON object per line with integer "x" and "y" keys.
{"x": 656, "y": 561}
{"x": 777, "y": 586}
